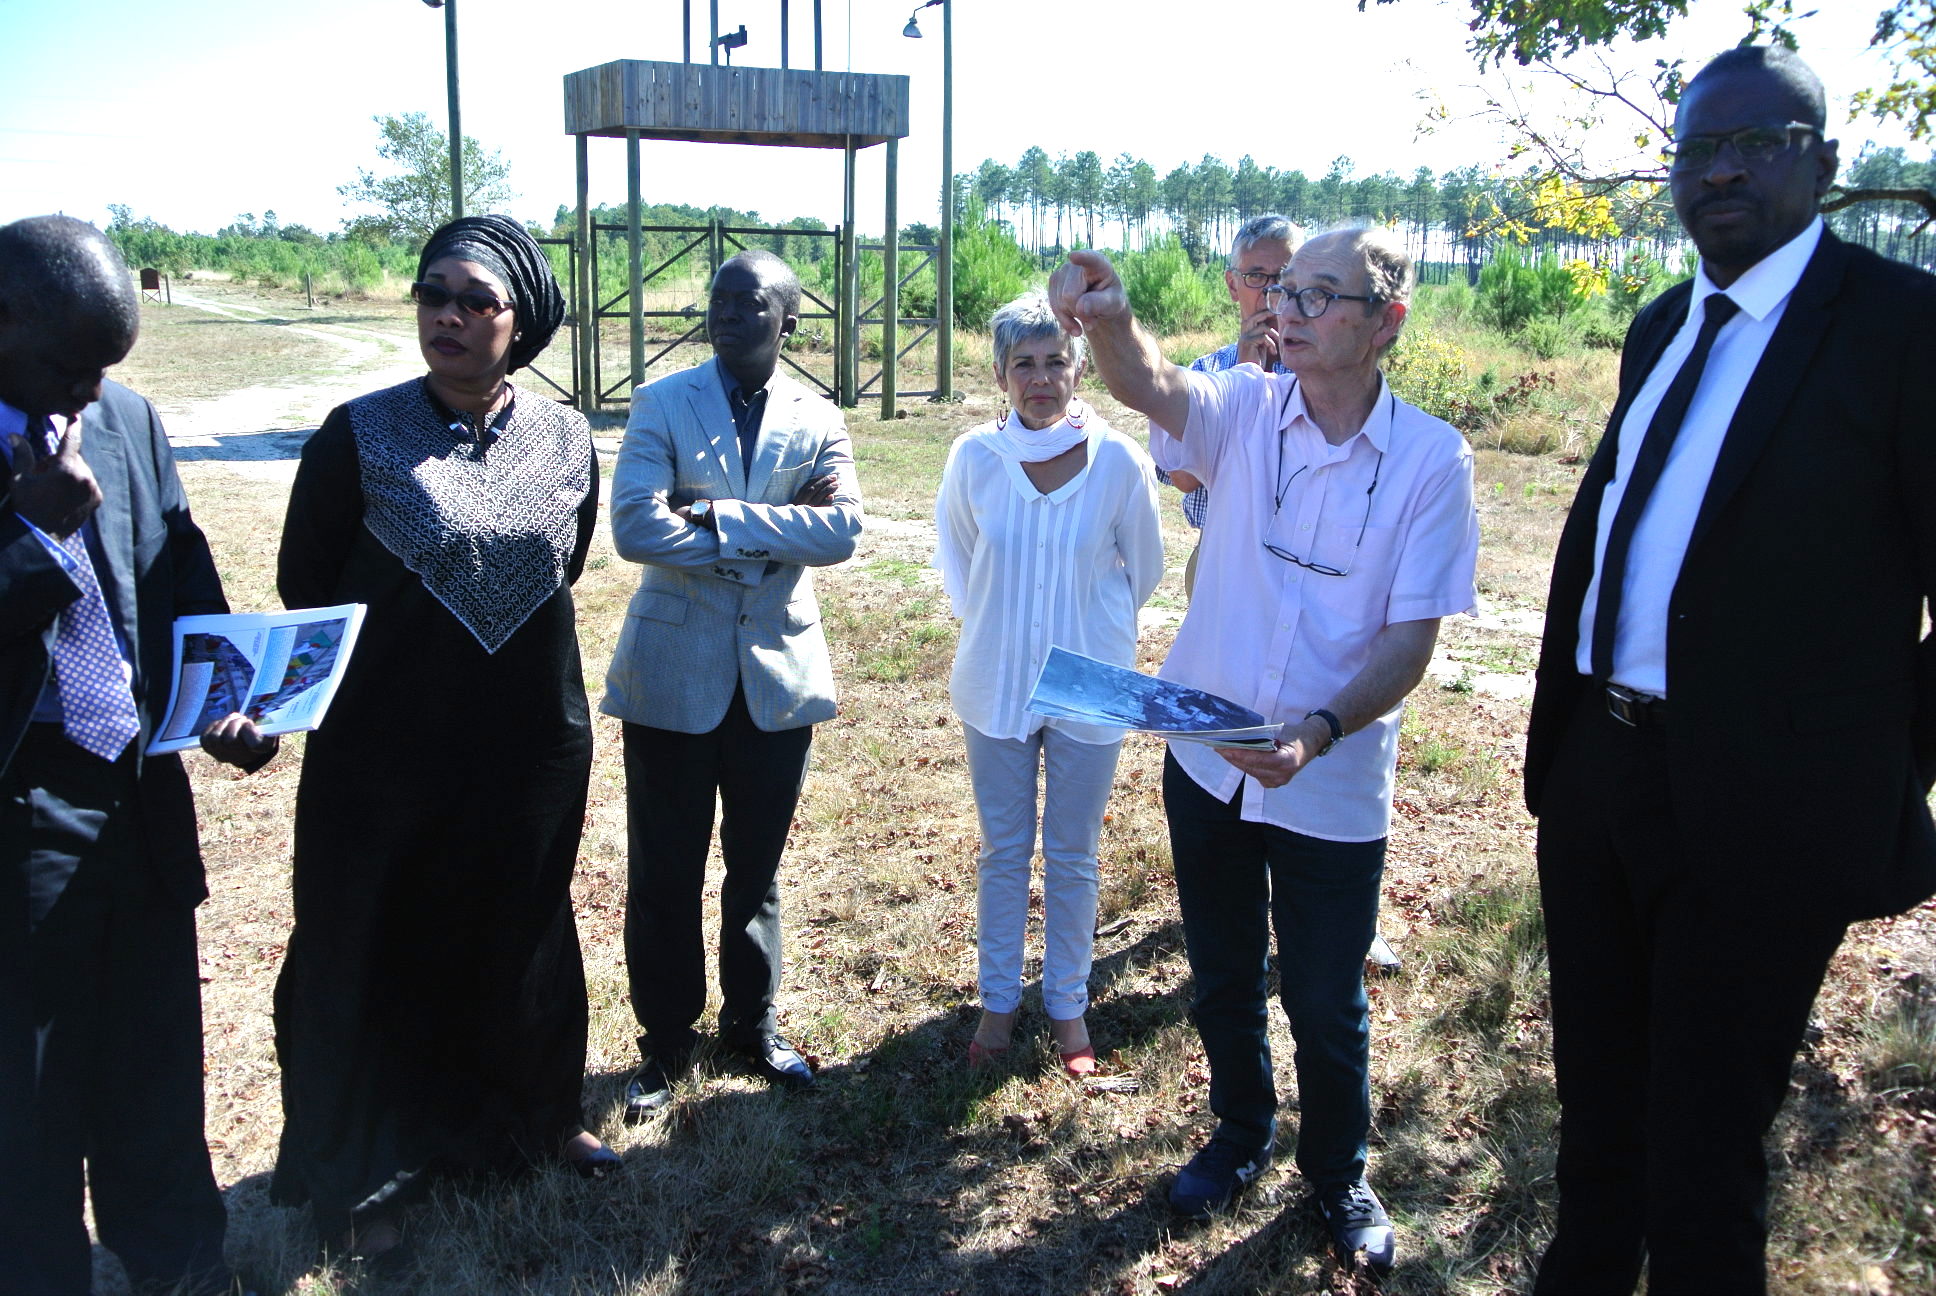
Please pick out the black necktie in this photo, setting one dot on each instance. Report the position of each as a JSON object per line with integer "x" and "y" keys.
{"x": 1647, "y": 467}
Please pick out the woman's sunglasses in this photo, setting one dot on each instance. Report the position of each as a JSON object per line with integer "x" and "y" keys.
{"x": 475, "y": 301}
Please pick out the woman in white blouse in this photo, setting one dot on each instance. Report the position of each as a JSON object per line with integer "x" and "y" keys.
{"x": 1048, "y": 535}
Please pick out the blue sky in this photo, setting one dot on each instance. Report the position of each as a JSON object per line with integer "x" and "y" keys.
{"x": 195, "y": 110}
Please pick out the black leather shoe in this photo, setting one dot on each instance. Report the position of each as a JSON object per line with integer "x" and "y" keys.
{"x": 649, "y": 1091}
{"x": 1358, "y": 1225}
{"x": 775, "y": 1061}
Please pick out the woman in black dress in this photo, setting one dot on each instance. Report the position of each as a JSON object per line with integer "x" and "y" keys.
{"x": 430, "y": 1016}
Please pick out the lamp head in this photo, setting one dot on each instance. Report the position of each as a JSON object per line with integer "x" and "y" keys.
{"x": 435, "y": 4}
{"x": 912, "y": 31}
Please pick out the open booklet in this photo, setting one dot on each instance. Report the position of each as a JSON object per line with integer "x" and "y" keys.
{"x": 1071, "y": 686}
{"x": 278, "y": 668}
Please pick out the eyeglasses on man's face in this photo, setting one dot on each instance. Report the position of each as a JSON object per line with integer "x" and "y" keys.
{"x": 1256, "y": 278}
{"x": 1752, "y": 144}
{"x": 1311, "y": 302}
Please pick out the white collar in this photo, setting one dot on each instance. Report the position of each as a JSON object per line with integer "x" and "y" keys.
{"x": 1767, "y": 283}
{"x": 1376, "y": 429}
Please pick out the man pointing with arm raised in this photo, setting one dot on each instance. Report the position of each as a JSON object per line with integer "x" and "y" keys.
{"x": 1344, "y": 531}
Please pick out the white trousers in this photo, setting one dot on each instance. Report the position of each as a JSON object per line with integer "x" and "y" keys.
{"x": 1079, "y": 777}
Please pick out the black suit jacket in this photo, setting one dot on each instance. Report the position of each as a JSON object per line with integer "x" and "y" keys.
{"x": 1802, "y": 693}
{"x": 154, "y": 565}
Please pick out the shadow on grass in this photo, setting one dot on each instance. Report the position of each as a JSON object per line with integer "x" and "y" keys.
{"x": 895, "y": 1173}
{"x": 270, "y": 444}
{"x": 299, "y": 321}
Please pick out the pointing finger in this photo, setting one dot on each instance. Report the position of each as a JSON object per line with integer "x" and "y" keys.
{"x": 70, "y": 442}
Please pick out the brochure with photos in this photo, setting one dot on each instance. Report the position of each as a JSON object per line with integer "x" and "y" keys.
{"x": 278, "y": 668}
{"x": 1071, "y": 686}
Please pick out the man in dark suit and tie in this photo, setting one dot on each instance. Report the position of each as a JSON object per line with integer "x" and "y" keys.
{"x": 100, "y": 998}
{"x": 1735, "y": 723}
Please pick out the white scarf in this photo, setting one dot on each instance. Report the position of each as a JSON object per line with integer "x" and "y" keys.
{"x": 1019, "y": 444}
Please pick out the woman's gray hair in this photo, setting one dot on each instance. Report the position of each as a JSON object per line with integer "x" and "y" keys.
{"x": 1257, "y": 229}
{"x": 1025, "y": 319}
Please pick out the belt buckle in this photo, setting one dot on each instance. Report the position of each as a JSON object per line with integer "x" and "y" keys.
{"x": 1625, "y": 705}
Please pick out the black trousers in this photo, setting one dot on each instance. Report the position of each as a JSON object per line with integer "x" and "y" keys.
{"x": 1678, "y": 1004}
{"x": 100, "y": 1040}
{"x": 671, "y": 780}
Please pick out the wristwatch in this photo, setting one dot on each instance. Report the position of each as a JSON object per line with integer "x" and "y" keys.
{"x": 701, "y": 513}
{"x": 1337, "y": 730}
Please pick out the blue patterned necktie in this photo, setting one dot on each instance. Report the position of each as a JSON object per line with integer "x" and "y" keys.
{"x": 97, "y": 705}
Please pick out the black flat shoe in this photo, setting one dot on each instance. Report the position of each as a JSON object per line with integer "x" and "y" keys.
{"x": 595, "y": 1164}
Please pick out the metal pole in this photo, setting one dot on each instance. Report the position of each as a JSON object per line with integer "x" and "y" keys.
{"x": 635, "y": 258}
{"x": 783, "y": 33}
{"x": 891, "y": 285}
{"x": 688, "y": 44}
{"x": 944, "y": 346}
{"x": 585, "y": 302}
{"x": 456, "y": 125}
{"x": 816, "y": 35}
{"x": 714, "y": 47}
{"x": 850, "y": 285}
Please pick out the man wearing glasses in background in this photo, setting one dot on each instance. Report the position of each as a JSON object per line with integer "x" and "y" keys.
{"x": 1344, "y": 531}
{"x": 1735, "y": 722}
{"x": 1258, "y": 255}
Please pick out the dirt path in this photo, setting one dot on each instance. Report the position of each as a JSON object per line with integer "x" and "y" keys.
{"x": 259, "y": 431}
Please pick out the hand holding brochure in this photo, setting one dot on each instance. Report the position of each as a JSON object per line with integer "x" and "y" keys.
{"x": 278, "y": 668}
{"x": 1071, "y": 686}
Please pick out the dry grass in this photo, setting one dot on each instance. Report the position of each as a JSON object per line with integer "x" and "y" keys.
{"x": 901, "y": 1173}
{"x": 184, "y": 353}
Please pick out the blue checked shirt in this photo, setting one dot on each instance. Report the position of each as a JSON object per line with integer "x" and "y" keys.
{"x": 1196, "y": 503}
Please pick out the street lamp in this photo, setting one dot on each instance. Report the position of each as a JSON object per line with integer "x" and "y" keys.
{"x": 944, "y": 349}
{"x": 456, "y": 128}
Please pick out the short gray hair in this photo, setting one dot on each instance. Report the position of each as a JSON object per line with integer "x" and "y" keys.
{"x": 1025, "y": 319}
{"x": 1388, "y": 266}
{"x": 1259, "y": 228}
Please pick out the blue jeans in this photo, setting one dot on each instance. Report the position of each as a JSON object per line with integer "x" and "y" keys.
{"x": 1236, "y": 880}
{"x": 1076, "y": 778}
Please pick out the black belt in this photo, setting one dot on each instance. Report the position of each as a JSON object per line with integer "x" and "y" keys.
{"x": 1636, "y": 710}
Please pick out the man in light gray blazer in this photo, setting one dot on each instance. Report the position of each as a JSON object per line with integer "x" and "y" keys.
{"x": 732, "y": 482}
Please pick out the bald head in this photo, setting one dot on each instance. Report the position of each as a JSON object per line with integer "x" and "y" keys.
{"x": 67, "y": 312}
{"x": 1779, "y": 67}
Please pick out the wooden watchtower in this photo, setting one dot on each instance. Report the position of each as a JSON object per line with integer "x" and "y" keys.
{"x": 635, "y": 100}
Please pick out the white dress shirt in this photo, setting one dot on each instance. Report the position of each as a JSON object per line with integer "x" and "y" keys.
{"x": 1282, "y": 639}
{"x": 1025, "y": 571}
{"x": 1661, "y": 535}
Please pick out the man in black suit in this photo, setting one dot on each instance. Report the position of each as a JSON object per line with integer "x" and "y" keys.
{"x": 100, "y": 1001}
{"x": 1735, "y": 722}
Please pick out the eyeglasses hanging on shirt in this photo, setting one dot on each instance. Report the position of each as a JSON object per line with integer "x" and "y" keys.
{"x": 1284, "y": 489}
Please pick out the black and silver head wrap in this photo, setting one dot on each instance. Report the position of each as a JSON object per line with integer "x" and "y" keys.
{"x": 502, "y": 246}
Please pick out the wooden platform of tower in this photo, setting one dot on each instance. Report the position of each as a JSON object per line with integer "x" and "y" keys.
{"x": 715, "y": 103}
